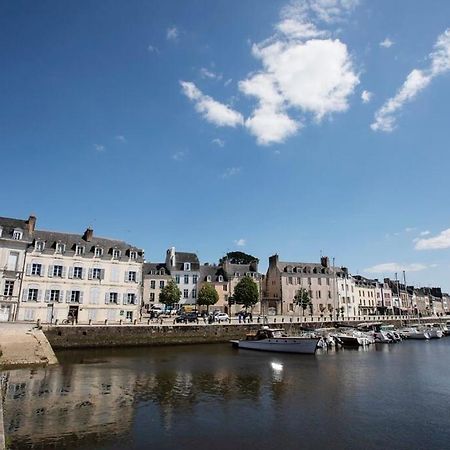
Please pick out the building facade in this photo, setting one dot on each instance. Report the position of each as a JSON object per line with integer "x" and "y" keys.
{"x": 155, "y": 278}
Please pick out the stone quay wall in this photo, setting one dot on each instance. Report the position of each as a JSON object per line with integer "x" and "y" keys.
{"x": 92, "y": 336}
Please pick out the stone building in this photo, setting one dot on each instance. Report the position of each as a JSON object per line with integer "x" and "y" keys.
{"x": 155, "y": 278}
{"x": 365, "y": 295}
{"x": 185, "y": 270}
{"x": 401, "y": 300}
{"x": 285, "y": 279}
{"x": 345, "y": 283}
{"x": 15, "y": 238}
{"x": 80, "y": 277}
{"x": 383, "y": 294}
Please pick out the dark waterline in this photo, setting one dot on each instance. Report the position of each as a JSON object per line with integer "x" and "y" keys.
{"x": 213, "y": 396}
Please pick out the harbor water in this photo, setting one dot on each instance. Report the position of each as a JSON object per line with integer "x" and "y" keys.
{"x": 214, "y": 396}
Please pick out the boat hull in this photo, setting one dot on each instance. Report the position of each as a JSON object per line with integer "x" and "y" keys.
{"x": 282, "y": 345}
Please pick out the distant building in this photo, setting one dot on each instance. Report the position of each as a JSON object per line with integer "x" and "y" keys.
{"x": 365, "y": 295}
{"x": 347, "y": 303}
{"x": 155, "y": 278}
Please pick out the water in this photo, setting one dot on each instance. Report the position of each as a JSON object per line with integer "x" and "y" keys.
{"x": 213, "y": 396}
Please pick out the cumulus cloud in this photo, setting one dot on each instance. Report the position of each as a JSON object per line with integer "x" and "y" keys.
{"x": 212, "y": 110}
{"x": 305, "y": 72}
{"x": 172, "y": 33}
{"x": 416, "y": 81}
{"x": 387, "y": 43}
{"x": 240, "y": 242}
{"x": 393, "y": 267}
{"x": 424, "y": 233}
{"x": 441, "y": 241}
{"x": 366, "y": 96}
{"x": 206, "y": 73}
{"x": 152, "y": 49}
{"x": 231, "y": 172}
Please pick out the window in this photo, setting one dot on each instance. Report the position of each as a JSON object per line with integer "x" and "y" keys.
{"x": 60, "y": 248}
{"x": 39, "y": 246}
{"x": 79, "y": 250}
{"x": 75, "y": 296}
{"x": 57, "y": 271}
{"x": 177, "y": 279}
{"x": 131, "y": 299}
{"x": 153, "y": 284}
{"x": 186, "y": 279}
{"x": 113, "y": 297}
{"x": 17, "y": 234}
{"x": 225, "y": 287}
{"x": 132, "y": 276}
{"x": 187, "y": 266}
{"x": 194, "y": 293}
{"x": 55, "y": 295}
{"x": 116, "y": 253}
{"x": 13, "y": 259}
{"x": 152, "y": 297}
{"x": 220, "y": 279}
{"x": 161, "y": 284}
{"x": 133, "y": 255}
{"x": 78, "y": 272}
{"x": 9, "y": 288}
{"x": 33, "y": 295}
{"x": 194, "y": 279}
{"x": 208, "y": 278}
{"x": 186, "y": 293}
{"x": 319, "y": 281}
{"x": 237, "y": 274}
{"x": 290, "y": 280}
{"x": 98, "y": 252}
{"x": 96, "y": 273}
{"x": 36, "y": 269}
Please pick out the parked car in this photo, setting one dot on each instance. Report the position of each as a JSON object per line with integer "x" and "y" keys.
{"x": 187, "y": 317}
{"x": 222, "y": 317}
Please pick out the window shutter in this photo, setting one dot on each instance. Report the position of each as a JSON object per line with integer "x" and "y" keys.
{"x": 70, "y": 272}
{"x": 64, "y": 270}
{"x": 126, "y": 276}
{"x": 107, "y": 298}
{"x": 47, "y": 295}
{"x": 81, "y": 296}
{"x": 67, "y": 296}
{"x": 138, "y": 277}
{"x": 102, "y": 274}
{"x": 42, "y": 270}
{"x": 125, "y": 299}
{"x": 82, "y": 273}
{"x": 39, "y": 295}
{"x": 28, "y": 269}
{"x": 25, "y": 295}
{"x": 90, "y": 274}
{"x": 50, "y": 271}
{"x": 60, "y": 297}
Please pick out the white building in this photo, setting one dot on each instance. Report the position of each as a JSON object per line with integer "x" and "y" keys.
{"x": 80, "y": 277}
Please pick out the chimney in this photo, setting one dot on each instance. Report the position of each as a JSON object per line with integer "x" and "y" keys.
{"x": 273, "y": 260}
{"x": 325, "y": 261}
{"x": 31, "y": 222}
{"x": 254, "y": 266}
{"x": 88, "y": 234}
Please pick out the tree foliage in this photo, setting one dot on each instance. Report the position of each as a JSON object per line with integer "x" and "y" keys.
{"x": 302, "y": 299}
{"x": 239, "y": 258}
{"x": 207, "y": 295}
{"x": 170, "y": 294}
{"x": 246, "y": 293}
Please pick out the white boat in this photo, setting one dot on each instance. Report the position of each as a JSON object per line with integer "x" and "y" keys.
{"x": 354, "y": 338}
{"x": 276, "y": 340}
{"x": 435, "y": 330}
{"x": 414, "y": 333}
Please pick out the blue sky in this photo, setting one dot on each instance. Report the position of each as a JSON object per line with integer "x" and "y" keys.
{"x": 215, "y": 127}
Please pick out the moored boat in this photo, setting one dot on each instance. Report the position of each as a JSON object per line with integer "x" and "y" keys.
{"x": 414, "y": 333}
{"x": 276, "y": 340}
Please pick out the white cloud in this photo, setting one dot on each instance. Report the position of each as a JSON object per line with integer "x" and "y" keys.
{"x": 425, "y": 233}
{"x": 240, "y": 242}
{"x": 219, "y": 142}
{"x": 366, "y": 96}
{"x": 393, "y": 267}
{"x": 416, "y": 81}
{"x": 172, "y": 33}
{"x": 178, "y": 156}
{"x": 205, "y": 73}
{"x": 121, "y": 139}
{"x": 99, "y": 147}
{"x": 212, "y": 110}
{"x": 441, "y": 241}
{"x": 409, "y": 229}
{"x": 387, "y": 43}
{"x": 152, "y": 49}
{"x": 231, "y": 172}
{"x": 228, "y": 82}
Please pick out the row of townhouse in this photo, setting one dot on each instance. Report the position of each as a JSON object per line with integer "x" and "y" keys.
{"x": 335, "y": 293}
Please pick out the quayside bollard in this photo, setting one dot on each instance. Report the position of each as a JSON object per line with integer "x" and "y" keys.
{"x": 135, "y": 321}
{"x": 120, "y": 322}
{"x": 90, "y": 321}
{"x": 106, "y": 321}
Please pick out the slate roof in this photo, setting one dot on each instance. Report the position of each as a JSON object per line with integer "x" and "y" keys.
{"x": 184, "y": 257}
{"x": 8, "y": 226}
{"x": 242, "y": 269}
{"x": 213, "y": 271}
{"x": 153, "y": 269}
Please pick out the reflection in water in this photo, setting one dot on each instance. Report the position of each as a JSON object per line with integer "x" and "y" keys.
{"x": 156, "y": 397}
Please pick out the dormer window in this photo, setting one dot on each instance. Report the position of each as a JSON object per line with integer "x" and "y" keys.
{"x": 133, "y": 254}
{"x": 39, "y": 246}
{"x": 79, "y": 250}
{"x": 17, "y": 234}
{"x": 162, "y": 272}
{"x": 237, "y": 274}
{"x": 60, "y": 248}
{"x": 98, "y": 251}
{"x": 116, "y": 253}
{"x": 208, "y": 278}
{"x": 220, "y": 279}
{"x": 187, "y": 266}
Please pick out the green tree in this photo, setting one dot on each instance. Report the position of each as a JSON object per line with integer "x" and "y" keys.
{"x": 170, "y": 294}
{"x": 207, "y": 296}
{"x": 302, "y": 299}
{"x": 238, "y": 258}
{"x": 246, "y": 293}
